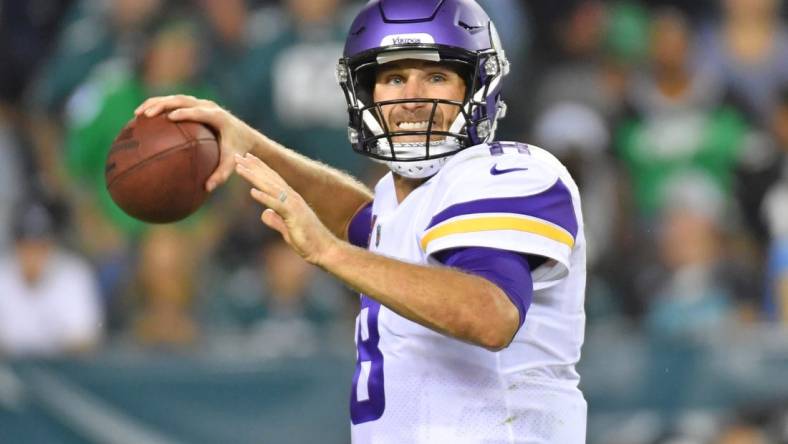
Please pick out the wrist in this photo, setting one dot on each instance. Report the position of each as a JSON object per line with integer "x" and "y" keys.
{"x": 332, "y": 254}
{"x": 261, "y": 145}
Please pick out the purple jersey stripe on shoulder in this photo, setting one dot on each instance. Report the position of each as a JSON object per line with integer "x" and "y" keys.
{"x": 360, "y": 227}
{"x": 553, "y": 205}
{"x": 508, "y": 270}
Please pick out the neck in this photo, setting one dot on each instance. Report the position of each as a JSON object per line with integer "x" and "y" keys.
{"x": 404, "y": 186}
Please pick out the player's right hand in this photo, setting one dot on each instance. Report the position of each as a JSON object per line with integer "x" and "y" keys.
{"x": 235, "y": 137}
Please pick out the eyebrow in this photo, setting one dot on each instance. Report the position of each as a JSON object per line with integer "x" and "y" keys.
{"x": 425, "y": 65}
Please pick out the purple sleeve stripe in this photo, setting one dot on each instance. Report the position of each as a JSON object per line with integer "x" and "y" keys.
{"x": 508, "y": 270}
{"x": 553, "y": 205}
{"x": 360, "y": 227}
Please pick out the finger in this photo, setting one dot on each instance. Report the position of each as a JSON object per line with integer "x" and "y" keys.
{"x": 221, "y": 173}
{"x": 185, "y": 100}
{"x": 147, "y": 104}
{"x": 151, "y": 102}
{"x": 209, "y": 115}
{"x": 257, "y": 178}
{"x": 252, "y": 162}
{"x": 254, "y": 171}
{"x": 269, "y": 201}
{"x": 157, "y": 105}
{"x": 275, "y": 221}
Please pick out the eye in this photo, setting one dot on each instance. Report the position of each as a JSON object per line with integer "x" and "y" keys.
{"x": 395, "y": 79}
{"x": 437, "y": 78}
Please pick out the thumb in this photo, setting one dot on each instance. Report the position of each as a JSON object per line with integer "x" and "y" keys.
{"x": 275, "y": 221}
{"x": 222, "y": 172}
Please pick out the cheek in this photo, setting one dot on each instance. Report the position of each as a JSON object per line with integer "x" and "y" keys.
{"x": 449, "y": 111}
{"x": 382, "y": 92}
{"x": 450, "y": 91}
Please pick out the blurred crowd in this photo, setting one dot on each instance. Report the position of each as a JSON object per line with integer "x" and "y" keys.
{"x": 672, "y": 115}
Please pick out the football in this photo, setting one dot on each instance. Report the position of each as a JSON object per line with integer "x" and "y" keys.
{"x": 156, "y": 168}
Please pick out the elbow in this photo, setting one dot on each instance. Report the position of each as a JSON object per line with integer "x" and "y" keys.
{"x": 500, "y": 333}
{"x": 495, "y": 344}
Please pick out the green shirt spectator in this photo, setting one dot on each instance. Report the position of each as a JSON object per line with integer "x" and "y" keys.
{"x": 658, "y": 149}
{"x": 106, "y": 102}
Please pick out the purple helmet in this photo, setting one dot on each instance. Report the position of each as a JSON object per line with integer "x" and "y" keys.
{"x": 456, "y": 32}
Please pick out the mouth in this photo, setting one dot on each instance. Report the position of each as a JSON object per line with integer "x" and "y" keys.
{"x": 415, "y": 126}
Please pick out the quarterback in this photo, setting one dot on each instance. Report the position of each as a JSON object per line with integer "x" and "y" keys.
{"x": 469, "y": 255}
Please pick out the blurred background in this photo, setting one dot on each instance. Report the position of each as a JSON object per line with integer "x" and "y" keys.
{"x": 671, "y": 114}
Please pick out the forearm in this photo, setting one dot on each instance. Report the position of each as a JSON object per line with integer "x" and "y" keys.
{"x": 335, "y": 196}
{"x": 443, "y": 299}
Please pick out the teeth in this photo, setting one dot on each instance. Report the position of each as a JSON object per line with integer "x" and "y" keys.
{"x": 412, "y": 126}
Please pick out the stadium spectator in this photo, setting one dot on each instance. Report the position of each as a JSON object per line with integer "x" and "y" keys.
{"x": 28, "y": 31}
{"x": 678, "y": 120}
{"x": 94, "y": 32}
{"x": 95, "y": 114}
{"x": 580, "y": 69}
{"x": 165, "y": 290}
{"x": 274, "y": 302}
{"x": 234, "y": 28}
{"x": 301, "y": 303}
{"x": 748, "y": 49}
{"x": 292, "y": 83}
{"x": 696, "y": 291}
{"x": 105, "y": 102}
{"x": 91, "y": 33}
{"x": 49, "y": 303}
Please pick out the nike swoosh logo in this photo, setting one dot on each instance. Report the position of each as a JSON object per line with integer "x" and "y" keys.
{"x": 495, "y": 171}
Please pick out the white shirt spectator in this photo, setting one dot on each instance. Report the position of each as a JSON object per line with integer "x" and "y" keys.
{"x": 59, "y": 313}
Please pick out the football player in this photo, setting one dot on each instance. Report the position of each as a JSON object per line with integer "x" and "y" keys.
{"x": 469, "y": 255}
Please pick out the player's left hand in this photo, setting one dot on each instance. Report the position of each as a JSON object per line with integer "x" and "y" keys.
{"x": 287, "y": 212}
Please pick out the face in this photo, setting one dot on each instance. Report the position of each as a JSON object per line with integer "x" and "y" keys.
{"x": 670, "y": 42}
{"x": 418, "y": 79}
{"x": 751, "y": 9}
{"x": 286, "y": 273}
{"x": 688, "y": 238}
{"x": 166, "y": 268}
{"x": 32, "y": 255}
{"x": 133, "y": 13}
{"x": 313, "y": 11}
{"x": 172, "y": 58}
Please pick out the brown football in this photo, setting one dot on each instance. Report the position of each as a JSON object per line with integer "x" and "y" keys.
{"x": 156, "y": 169}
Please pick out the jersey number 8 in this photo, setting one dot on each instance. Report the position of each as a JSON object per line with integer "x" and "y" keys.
{"x": 367, "y": 401}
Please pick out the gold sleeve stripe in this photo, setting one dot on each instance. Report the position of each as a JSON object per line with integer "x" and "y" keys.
{"x": 496, "y": 223}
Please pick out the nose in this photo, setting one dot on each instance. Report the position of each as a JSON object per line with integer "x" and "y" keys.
{"x": 414, "y": 89}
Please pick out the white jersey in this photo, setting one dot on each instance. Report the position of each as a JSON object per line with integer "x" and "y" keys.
{"x": 414, "y": 385}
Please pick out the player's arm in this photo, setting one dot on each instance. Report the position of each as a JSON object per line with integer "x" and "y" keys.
{"x": 458, "y": 304}
{"x": 333, "y": 195}
{"x": 447, "y": 300}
